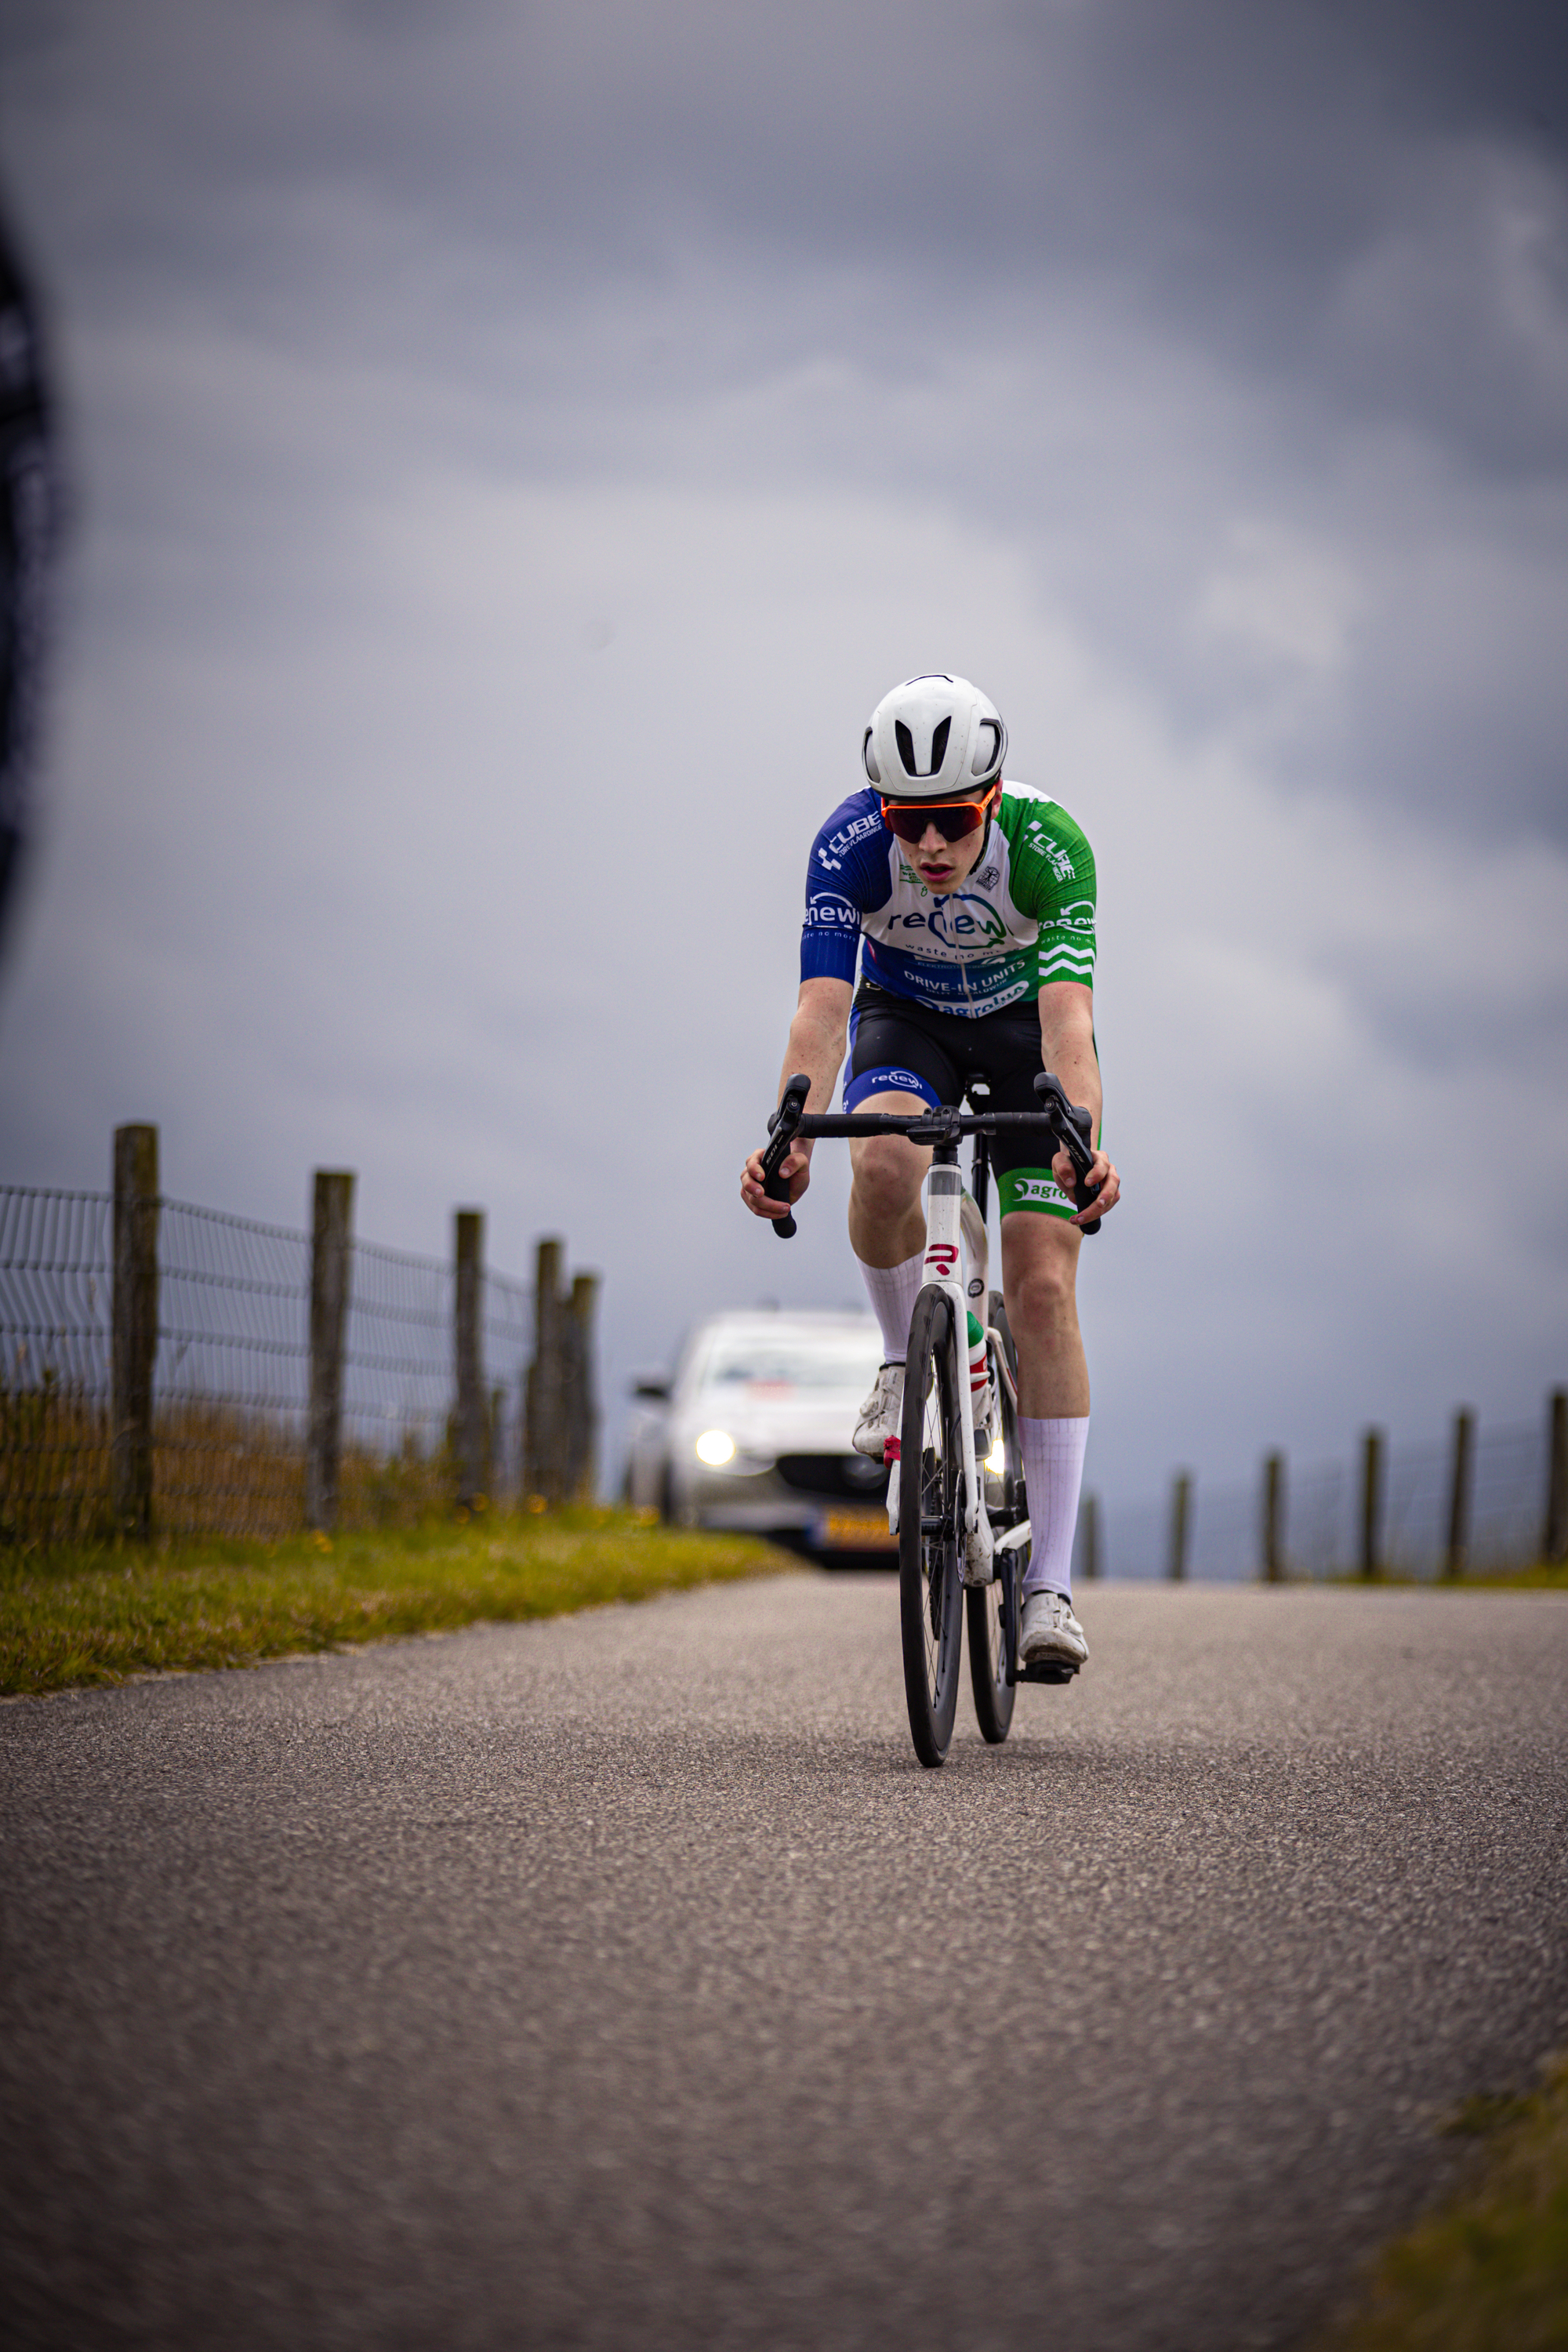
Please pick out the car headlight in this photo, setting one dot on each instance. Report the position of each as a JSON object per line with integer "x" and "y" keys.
{"x": 715, "y": 1446}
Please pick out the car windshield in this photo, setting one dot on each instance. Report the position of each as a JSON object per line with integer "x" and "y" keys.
{"x": 792, "y": 1359}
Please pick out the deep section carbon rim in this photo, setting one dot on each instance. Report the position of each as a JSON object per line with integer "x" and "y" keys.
{"x": 987, "y": 1604}
{"x": 930, "y": 1484}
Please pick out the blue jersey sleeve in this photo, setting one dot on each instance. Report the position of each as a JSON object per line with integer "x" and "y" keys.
{"x": 848, "y": 875}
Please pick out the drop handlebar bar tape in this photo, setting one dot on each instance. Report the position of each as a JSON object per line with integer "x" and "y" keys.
{"x": 777, "y": 1190}
{"x": 1075, "y": 1130}
{"x": 783, "y": 1126}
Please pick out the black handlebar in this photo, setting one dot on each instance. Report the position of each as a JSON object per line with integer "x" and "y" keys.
{"x": 1069, "y": 1123}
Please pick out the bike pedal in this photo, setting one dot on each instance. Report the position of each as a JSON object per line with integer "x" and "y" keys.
{"x": 1046, "y": 1673}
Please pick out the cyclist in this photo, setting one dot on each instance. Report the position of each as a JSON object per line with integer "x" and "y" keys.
{"x": 969, "y": 902}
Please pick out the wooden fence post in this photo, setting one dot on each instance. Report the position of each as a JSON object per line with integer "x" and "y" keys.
{"x": 331, "y": 1255}
{"x": 468, "y": 1288}
{"x": 582, "y": 1434}
{"x": 1462, "y": 1469}
{"x": 1372, "y": 1460}
{"x": 1554, "y": 1534}
{"x": 134, "y": 1338}
{"x": 544, "y": 1465}
{"x": 1273, "y": 1518}
{"x": 1180, "y": 1515}
{"x": 1090, "y": 1517}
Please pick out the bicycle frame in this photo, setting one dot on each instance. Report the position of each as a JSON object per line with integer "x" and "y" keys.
{"x": 947, "y": 1269}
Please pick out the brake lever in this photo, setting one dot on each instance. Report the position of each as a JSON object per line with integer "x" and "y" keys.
{"x": 1072, "y": 1123}
{"x": 781, "y": 1128}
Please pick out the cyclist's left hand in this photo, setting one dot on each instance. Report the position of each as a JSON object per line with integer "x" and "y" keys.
{"x": 795, "y": 1169}
{"x": 1102, "y": 1174}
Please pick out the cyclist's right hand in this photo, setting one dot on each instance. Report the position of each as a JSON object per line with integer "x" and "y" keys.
{"x": 795, "y": 1169}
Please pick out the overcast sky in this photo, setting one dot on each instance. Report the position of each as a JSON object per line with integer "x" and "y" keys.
{"x": 511, "y": 448}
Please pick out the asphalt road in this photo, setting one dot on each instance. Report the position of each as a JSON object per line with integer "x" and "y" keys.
{"x": 624, "y": 1981}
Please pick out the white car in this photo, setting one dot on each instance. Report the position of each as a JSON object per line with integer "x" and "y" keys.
{"x": 752, "y": 1433}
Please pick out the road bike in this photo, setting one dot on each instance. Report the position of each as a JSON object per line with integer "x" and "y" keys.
{"x": 962, "y": 1523}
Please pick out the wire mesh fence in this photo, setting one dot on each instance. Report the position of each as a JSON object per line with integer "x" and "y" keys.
{"x": 1320, "y": 1530}
{"x": 231, "y": 1376}
{"x": 54, "y": 1362}
{"x": 399, "y": 1384}
{"x": 232, "y": 1373}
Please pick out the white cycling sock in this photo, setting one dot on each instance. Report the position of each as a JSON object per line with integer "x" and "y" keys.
{"x": 1053, "y": 1473}
{"x": 893, "y": 1290}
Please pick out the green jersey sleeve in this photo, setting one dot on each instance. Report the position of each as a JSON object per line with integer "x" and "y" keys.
{"x": 1052, "y": 878}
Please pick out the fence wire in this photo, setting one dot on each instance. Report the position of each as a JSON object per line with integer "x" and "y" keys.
{"x": 231, "y": 1374}
{"x": 398, "y": 1383}
{"x": 231, "y": 1378}
{"x": 55, "y": 1276}
{"x": 1323, "y": 1505}
{"x": 508, "y": 1347}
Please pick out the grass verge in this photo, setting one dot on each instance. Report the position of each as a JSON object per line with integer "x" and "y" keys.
{"x": 1545, "y": 1577}
{"x": 1491, "y": 2269}
{"x": 1548, "y": 1577}
{"x": 80, "y": 1617}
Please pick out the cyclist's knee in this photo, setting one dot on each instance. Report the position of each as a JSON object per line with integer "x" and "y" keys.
{"x": 1040, "y": 1271}
{"x": 887, "y": 1173}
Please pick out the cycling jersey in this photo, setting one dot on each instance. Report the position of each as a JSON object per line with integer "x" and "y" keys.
{"x": 1022, "y": 916}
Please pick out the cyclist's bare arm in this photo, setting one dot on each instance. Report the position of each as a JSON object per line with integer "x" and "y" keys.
{"x": 1067, "y": 1046}
{"x": 817, "y": 1037}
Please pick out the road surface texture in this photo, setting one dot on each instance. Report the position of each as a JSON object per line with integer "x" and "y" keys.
{"x": 624, "y": 1981}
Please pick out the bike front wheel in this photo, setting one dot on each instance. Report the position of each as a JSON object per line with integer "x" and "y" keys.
{"x": 989, "y": 1604}
{"x": 930, "y": 1513}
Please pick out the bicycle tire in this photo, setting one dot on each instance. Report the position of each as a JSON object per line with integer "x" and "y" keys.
{"x": 931, "y": 1499}
{"x": 988, "y": 1605}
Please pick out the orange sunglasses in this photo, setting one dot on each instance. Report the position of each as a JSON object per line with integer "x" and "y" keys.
{"x": 952, "y": 819}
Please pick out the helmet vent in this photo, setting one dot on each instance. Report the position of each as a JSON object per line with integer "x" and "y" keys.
{"x": 989, "y": 746}
{"x": 906, "y": 743}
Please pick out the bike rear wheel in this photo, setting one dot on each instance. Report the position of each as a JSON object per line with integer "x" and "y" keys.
{"x": 988, "y": 1605}
{"x": 931, "y": 1511}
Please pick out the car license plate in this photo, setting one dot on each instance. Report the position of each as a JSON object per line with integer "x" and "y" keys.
{"x": 855, "y": 1531}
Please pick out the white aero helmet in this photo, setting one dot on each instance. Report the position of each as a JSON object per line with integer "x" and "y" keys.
{"x": 935, "y": 739}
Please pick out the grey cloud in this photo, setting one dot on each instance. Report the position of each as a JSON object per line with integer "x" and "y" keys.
{"x": 1221, "y": 157}
{"x": 1360, "y": 208}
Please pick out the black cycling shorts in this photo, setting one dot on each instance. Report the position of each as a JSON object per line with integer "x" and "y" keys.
{"x": 898, "y": 1046}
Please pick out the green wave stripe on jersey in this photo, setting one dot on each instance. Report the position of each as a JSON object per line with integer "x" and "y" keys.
{"x": 1051, "y": 878}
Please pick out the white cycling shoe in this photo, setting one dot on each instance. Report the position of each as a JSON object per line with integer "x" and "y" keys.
{"x": 1050, "y": 1635}
{"x": 881, "y": 1415}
